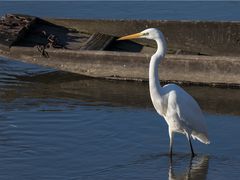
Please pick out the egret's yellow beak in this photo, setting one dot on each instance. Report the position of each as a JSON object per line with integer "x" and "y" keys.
{"x": 132, "y": 36}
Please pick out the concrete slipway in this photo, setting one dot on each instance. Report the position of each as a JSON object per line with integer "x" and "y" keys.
{"x": 198, "y": 52}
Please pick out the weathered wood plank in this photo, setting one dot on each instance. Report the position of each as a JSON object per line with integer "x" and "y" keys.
{"x": 98, "y": 41}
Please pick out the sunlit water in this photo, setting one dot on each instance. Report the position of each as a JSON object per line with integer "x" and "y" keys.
{"x": 55, "y": 125}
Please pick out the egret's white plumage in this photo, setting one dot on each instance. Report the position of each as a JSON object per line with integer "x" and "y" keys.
{"x": 180, "y": 110}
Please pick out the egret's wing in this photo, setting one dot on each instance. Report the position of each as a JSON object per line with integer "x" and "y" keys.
{"x": 186, "y": 110}
{"x": 190, "y": 113}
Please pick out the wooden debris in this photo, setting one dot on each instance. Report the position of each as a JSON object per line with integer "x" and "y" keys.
{"x": 14, "y": 27}
{"x": 98, "y": 41}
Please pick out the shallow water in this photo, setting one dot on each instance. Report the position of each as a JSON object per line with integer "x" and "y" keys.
{"x": 55, "y": 125}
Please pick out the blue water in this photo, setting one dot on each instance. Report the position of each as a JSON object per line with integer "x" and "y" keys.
{"x": 55, "y": 125}
{"x": 61, "y": 129}
{"x": 172, "y": 10}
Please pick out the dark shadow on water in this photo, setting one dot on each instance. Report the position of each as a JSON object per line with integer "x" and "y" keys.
{"x": 62, "y": 85}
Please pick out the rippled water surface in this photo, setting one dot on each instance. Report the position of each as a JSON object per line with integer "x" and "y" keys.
{"x": 55, "y": 125}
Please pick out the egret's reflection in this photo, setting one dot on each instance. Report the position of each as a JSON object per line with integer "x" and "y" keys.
{"x": 188, "y": 168}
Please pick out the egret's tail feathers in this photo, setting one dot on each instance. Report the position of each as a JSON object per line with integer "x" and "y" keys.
{"x": 201, "y": 137}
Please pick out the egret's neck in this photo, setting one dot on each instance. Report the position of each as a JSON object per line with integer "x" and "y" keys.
{"x": 154, "y": 82}
{"x": 156, "y": 91}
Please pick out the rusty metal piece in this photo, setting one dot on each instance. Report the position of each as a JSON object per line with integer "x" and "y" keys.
{"x": 52, "y": 42}
{"x": 42, "y": 50}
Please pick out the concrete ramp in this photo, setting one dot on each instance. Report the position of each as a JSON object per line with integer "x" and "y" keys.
{"x": 198, "y": 52}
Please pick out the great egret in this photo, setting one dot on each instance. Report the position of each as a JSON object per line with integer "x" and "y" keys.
{"x": 181, "y": 112}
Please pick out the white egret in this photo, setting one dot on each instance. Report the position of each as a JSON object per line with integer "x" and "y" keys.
{"x": 181, "y": 112}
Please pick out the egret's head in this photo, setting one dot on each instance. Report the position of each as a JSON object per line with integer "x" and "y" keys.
{"x": 151, "y": 33}
{"x": 154, "y": 34}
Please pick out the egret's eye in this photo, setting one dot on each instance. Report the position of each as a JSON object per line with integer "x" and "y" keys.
{"x": 145, "y": 34}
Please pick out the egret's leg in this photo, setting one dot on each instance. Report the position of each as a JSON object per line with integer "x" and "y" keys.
{"x": 190, "y": 142}
{"x": 193, "y": 154}
{"x": 190, "y": 166}
{"x": 171, "y": 142}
